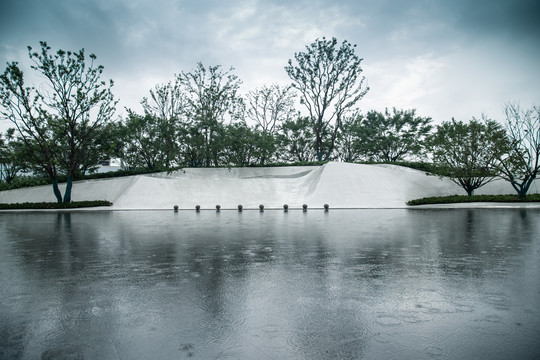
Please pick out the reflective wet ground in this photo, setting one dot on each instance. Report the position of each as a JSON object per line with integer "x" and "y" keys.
{"x": 362, "y": 284}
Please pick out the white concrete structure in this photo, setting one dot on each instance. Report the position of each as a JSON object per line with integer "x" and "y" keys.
{"x": 341, "y": 185}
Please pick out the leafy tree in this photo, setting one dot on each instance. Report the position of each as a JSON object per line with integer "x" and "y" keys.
{"x": 211, "y": 99}
{"x": 392, "y": 137}
{"x": 165, "y": 109}
{"x": 192, "y": 145}
{"x": 242, "y": 144}
{"x": 349, "y": 144}
{"x": 59, "y": 125}
{"x": 468, "y": 152}
{"x": 295, "y": 140}
{"x": 328, "y": 78}
{"x": 351, "y": 141}
{"x": 521, "y": 164}
{"x": 105, "y": 144}
{"x": 143, "y": 146}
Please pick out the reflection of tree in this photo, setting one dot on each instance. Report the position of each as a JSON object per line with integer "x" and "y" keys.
{"x": 319, "y": 279}
{"x": 54, "y": 250}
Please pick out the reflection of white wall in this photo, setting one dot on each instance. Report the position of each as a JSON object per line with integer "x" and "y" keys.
{"x": 340, "y": 185}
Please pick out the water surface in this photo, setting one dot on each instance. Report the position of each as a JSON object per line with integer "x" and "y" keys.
{"x": 362, "y": 284}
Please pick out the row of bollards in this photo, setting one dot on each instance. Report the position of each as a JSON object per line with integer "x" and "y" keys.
{"x": 261, "y": 208}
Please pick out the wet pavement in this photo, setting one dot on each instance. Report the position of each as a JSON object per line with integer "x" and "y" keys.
{"x": 356, "y": 284}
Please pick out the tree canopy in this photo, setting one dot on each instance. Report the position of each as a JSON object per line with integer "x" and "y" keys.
{"x": 468, "y": 152}
{"x": 393, "y": 136}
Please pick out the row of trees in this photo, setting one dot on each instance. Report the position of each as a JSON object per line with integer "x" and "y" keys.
{"x": 200, "y": 119}
{"x": 475, "y": 153}
{"x": 159, "y": 140}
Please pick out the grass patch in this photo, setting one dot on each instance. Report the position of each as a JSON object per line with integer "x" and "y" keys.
{"x": 452, "y": 199}
{"x": 54, "y": 205}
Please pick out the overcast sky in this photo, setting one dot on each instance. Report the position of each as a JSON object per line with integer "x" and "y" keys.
{"x": 458, "y": 58}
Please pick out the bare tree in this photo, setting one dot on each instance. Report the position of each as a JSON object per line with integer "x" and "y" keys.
{"x": 521, "y": 164}
{"x": 166, "y": 101}
{"x": 269, "y": 106}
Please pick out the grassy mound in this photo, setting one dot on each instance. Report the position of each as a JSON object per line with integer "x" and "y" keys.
{"x": 452, "y": 199}
{"x": 55, "y": 205}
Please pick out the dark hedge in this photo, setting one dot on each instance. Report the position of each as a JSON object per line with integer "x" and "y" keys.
{"x": 54, "y": 205}
{"x": 474, "y": 198}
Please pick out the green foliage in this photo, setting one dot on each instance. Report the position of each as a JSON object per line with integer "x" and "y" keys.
{"x": 295, "y": 140}
{"x": 394, "y": 136}
{"x": 29, "y": 181}
{"x": 12, "y": 160}
{"x": 244, "y": 146}
{"x": 467, "y": 153}
{"x": 474, "y": 198}
{"x": 297, "y": 163}
{"x": 350, "y": 140}
{"x": 24, "y": 181}
{"x": 428, "y": 168}
{"x": 49, "y": 205}
{"x": 210, "y": 99}
{"x": 328, "y": 78}
{"x": 148, "y": 142}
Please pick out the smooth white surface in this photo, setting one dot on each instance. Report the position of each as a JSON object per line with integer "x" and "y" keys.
{"x": 341, "y": 185}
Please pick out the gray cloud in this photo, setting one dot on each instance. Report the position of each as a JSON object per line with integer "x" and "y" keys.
{"x": 446, "y": 58}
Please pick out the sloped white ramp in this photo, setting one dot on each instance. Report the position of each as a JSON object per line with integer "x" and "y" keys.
{"x": 341, "y": 185}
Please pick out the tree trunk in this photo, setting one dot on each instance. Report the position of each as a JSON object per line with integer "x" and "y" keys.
{"x": 525, "y": 188}
{"x": 67, "y": 193}
{"x": 522, "y": 188}
{"x": 56, "y": 191}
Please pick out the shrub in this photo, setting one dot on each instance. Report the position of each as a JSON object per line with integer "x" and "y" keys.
{"x": 24, "y": 181}
{"x": 54, "y": 205}
{"x": 474, "y": 198}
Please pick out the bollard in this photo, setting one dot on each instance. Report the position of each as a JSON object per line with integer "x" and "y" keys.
{"x": 218, "y": 207}
{"x": 304, "y": 207}
{"x": 326, "y": 207}
{"x": 261, "y": 208}
{"x": 197, "y": 208}
{"x": 175, "y": 208}
{"x": 285, "y": 208}
{"x": 240, "y": 207}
